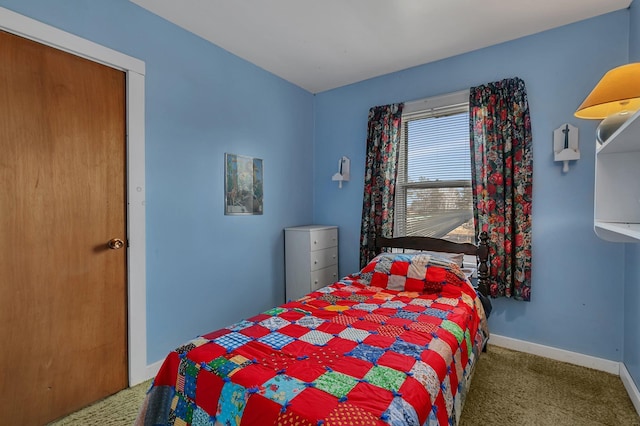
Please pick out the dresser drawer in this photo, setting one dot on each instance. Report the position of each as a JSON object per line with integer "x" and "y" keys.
{"x": 323, "y": 258}
{"x": 323, "y": 277}
{"x": 323, "y": 238}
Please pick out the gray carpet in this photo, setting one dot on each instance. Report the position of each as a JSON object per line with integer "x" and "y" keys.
{"x": 508, "y": 388}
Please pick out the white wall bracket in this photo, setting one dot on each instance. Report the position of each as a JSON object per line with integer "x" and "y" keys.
{"x": 565, "y": 145}
{"x": 343, "y": 171}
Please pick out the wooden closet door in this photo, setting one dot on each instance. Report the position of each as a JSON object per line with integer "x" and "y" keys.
{"x": 63, "y": 328}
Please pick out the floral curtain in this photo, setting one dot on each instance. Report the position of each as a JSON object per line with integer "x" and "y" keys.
{"x": 502, "y": 171}
{"x": 383, "y": 135}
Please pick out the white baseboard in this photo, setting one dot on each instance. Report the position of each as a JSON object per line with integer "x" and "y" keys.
{"x": 575, "y": 358}
{"x": 150, "y": 371}
{"x": 608, "y": 366}
{"x": 630, "y": 386}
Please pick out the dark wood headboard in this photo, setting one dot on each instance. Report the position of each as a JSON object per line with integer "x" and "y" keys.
{"x": 481, "y": 251}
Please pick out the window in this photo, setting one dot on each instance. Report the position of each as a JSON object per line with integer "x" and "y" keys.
{"x": 433, "y": 189}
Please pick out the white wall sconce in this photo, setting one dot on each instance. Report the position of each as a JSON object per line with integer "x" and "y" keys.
{"x": 343, "y": 171}
{"x": 565, "y": 145}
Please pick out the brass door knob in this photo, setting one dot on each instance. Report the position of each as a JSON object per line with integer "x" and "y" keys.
{"x": 115, "y": 244}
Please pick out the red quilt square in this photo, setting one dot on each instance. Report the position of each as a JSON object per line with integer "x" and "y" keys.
{"x": 371, "y": 398}
{"x": 260, "y": 411}
{"x": 330, "y": 327}
{"x": 435, "y": 360}
{"x": 294, "y": 330}
{"x": 436, "y": 274}
{"x": 217, "y": 333}
{"x": 366, "y": 325}
{"x": 416, "y": 394}
{"x": 420, "y": 339}
{"x": 256, "y": 331}
{"x": 397, "y": 361}
{"x": 208, "y": 391}
{"x": 168, "y": 371}
{"x": 369, "y": 267}
{"x": 306, "y": 370}
{"x": 325, "y": 315}
{"x": 341, "y": 294}
{"x": 353, "y": 367}
{"x": 325, "y": 355}
{"x": 441, "y": 410}
{"x": 314, "y": 403}
{"x": 298, "y": 348}
{"x": 253, "y": 375}
{"x": 413, "y": 308}
{"x": 291, "y": 316}
{"x": 449, "y": 338}
{"x": 379, "y": 279}
{"x": 341, "y": 345}
{"x": 413, "y": 284}
{"x": 206, "y": 353}
{"x": 379, "y": 341}
{"x": 278, "y": 361}
{"x": 259, "y": 317}
{"x": 399, "y": 268}
{"x": 355, "y": 313}
{"x": 253, "y": 350}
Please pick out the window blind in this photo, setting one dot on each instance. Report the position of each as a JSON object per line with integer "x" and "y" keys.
{"x": 433, "y": 191}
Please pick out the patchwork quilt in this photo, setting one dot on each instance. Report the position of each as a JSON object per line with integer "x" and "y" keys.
{"x": 367, "y": 350}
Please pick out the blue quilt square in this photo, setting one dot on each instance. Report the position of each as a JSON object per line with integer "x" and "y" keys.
{"x": 276, "y": 340}
{"x": 407, "y": 315}
{"x": 232, "y": 341}
{"x": 436, "y": 313}
{"x": 366, "y": 353}
{"x": 408, "y": 349}
{"x": 282, "y": 388}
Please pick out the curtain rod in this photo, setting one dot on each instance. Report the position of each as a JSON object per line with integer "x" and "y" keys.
{"x": 433, "y": 102}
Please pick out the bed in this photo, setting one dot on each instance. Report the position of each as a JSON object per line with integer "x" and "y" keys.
{"x": 395, "y": 343}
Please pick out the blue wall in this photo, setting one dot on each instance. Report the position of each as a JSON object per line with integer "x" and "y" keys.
{"x": 201, "y": 101}
{"x": 577, "y": 279}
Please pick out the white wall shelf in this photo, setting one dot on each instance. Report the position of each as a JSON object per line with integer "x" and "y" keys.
{"x": 617, "y": 185}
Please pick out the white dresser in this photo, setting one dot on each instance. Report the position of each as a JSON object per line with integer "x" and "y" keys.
{"x": 311, "y": 258}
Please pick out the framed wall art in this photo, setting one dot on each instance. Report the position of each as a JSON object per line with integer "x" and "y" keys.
{"x": 243, "y": 185}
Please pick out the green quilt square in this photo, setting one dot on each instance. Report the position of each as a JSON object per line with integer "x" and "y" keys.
{"x": 385, "y": 377}
{"x": 454, "y": 329}
{"x": 337, "y": 384}
{"x": 275, "y": 311}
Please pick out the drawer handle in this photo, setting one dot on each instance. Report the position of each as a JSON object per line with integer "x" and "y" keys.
{"x": 315, "y": 262}
{"x": 315, "y": 242}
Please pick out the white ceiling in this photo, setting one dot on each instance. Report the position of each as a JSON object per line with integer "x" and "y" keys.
{"x": 321, "y": 45}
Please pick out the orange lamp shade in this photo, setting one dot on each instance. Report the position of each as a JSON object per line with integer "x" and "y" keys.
{"x": 618, "y": 90}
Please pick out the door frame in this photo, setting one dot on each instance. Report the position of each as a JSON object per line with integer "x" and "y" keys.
{"x": 134, "y": 69}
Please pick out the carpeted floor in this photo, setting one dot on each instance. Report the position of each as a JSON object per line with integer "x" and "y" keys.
{"x": 508, "y": 388}
{"x": 513, "y": 388}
